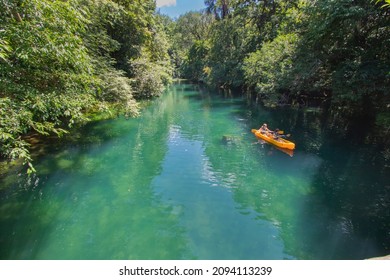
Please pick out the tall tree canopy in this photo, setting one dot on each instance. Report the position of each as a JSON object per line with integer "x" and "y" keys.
{"x": 219, "y": 8}
{"x": 284, "y": 49}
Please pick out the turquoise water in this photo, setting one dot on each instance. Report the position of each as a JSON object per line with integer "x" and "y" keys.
{"x": 188, "y": 180}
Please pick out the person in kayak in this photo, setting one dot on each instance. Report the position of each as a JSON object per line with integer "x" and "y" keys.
{"x": 278, "y": 134}
{"x": 264, "y": 129}
{"x": 275, "y": 134}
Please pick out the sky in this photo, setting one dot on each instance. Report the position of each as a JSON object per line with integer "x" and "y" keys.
{"x": 175, "y": 8}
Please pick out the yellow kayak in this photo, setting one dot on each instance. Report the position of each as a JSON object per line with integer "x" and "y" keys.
{"x": 279, "y": 142}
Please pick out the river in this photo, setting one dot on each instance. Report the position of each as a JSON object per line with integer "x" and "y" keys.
{"x": 188, "y": 180}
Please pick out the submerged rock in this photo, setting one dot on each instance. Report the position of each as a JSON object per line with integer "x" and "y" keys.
{"x": 230, "y": 140}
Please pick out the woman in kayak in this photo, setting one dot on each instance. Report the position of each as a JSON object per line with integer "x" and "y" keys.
{"x": 264, "y": 129}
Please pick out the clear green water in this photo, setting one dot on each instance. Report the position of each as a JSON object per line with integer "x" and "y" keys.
{"x": 188, "y": 180}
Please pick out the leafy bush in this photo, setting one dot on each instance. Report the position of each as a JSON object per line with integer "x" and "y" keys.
{"x": 196, "y": 61}
{"x": 149, "y": 78}
{"x": 268, "y": 70}
{"x": 60, "y": 59}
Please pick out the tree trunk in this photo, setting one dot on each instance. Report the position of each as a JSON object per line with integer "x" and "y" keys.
{"x": 17, "y": 16}
{"x": 225, "y": 8}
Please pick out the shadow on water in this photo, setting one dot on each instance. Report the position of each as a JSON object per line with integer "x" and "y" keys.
{"x": 347, "y": 213}
{"x": 347, "y": 216}
{"x": 343, "y": 211}
{"x": 15, "y": 206}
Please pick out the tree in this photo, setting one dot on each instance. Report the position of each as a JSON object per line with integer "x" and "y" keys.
{"x": 219, "y": 8}
{"x": 268, "y": 70}
{"x": 250, "y": 25}
{"x": 186, "y": 35}
{"x": 191, "y": 27}
{"x": 61, "y": 59}
{"x": 342, "y": 51}
{"x": 229, "y": 43}
{"x": 195, "y": 64}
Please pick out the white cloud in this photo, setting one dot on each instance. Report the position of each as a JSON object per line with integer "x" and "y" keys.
{"x": 162, "y": 3}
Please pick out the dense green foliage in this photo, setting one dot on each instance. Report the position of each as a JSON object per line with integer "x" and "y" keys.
{"x": 289, "y": 52}
{"x": 188, "y": 34}
{"x": 61, "y": 59}
{"x": 267, "y": 70}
